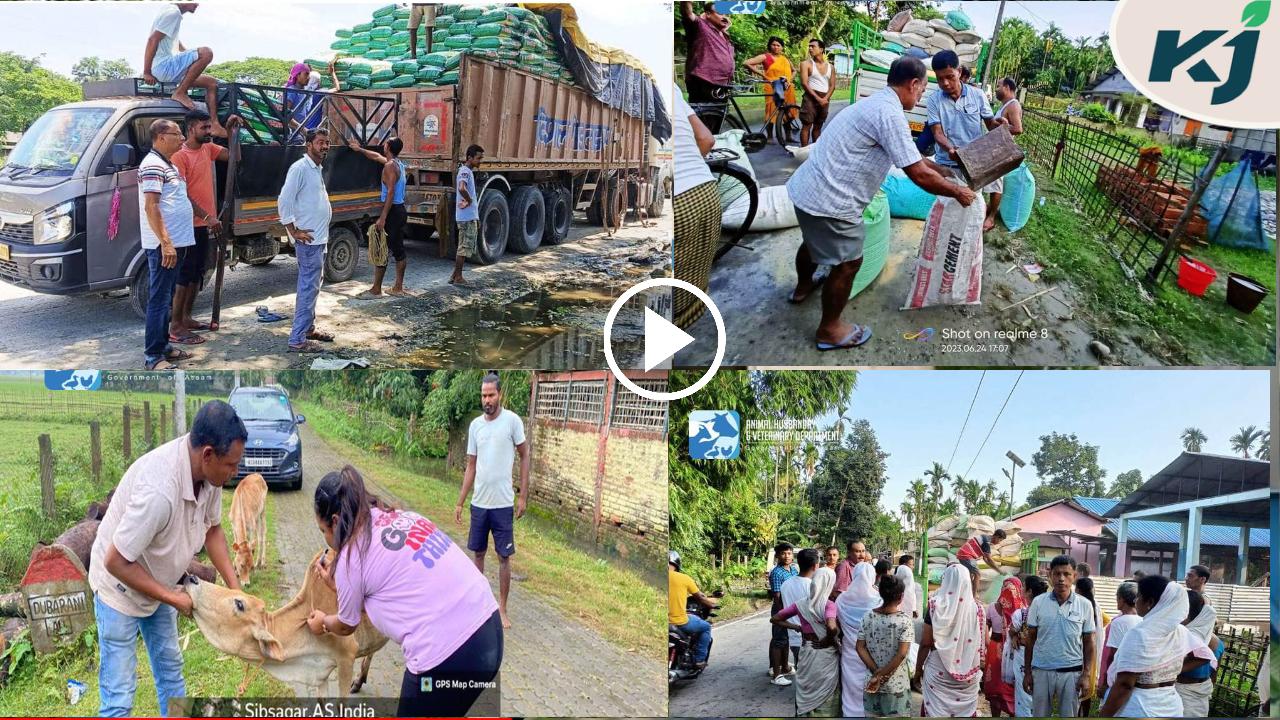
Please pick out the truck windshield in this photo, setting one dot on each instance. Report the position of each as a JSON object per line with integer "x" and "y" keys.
{"x": 56, "y": 142}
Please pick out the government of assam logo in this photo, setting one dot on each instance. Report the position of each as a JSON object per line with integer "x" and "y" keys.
{"x": 1200, "y": 59}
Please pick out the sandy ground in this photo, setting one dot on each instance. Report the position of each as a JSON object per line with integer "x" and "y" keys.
{"x": 750, "y": 288}
{"x": 49, "y": 331}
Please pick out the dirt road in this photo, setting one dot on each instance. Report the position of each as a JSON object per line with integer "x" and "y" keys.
{"x": 545, "y": 309}
{"x": 735, "y": 683}
{"x": 551, "y": 666}
{"x": 750, "y": 288}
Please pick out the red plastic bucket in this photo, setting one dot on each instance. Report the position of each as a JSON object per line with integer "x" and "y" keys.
{"x": 1194, "y": 276}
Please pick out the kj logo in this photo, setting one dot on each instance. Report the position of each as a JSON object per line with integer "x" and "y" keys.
{"x": 1164, "y": 49}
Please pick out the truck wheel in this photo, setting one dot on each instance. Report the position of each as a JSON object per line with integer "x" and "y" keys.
{"x": 528, "y": 215}
{"x": 615, "y": 202}
{"x": 595, "y": 213}
{"x": 139, "y": 289}
{"x": 559, "y": 211}
{"x": 658, "y": 201}
{"x": 495, "y": 219}
{"x": 343, "y": 254}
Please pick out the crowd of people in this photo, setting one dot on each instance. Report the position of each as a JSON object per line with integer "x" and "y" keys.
{"x": 178, "y": 213}
{"x": 845, "y": 638}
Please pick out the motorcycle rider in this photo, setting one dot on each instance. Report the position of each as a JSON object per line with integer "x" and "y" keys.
{"x": 679, "y": 588}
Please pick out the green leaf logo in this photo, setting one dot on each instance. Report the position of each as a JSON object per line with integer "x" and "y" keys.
{"x": 1256, "y": 13}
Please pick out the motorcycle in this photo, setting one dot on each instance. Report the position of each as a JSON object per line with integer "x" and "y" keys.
{"x": 680, "y": 644}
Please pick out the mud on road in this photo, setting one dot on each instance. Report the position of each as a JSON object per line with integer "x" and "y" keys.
{"x": 543, "y": 310}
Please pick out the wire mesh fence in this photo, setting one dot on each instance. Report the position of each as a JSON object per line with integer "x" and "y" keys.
{"x": 1134, "y": 195}
{"x": 1235, "y": 690}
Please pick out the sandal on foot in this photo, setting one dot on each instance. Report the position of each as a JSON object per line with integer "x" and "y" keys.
{"x": 320, "y": 335}
{"x": 192, "y": 339}
{"x": 309, "y": 347}
{"x": 818, "y": 279}
{"x": 858, "y": 337}
{"x": 156, "y": 366}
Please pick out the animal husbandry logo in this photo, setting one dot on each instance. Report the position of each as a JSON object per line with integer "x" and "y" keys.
{"x": 714, "y": 434}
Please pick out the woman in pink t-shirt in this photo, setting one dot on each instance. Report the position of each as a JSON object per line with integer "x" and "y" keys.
{"x": 419, "y": 589}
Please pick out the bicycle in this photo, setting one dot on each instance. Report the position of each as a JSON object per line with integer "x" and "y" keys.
{"x": 734, "y": 185}
{"x": 715, "y": 114}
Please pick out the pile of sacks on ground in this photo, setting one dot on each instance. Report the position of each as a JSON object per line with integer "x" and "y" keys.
{"x": 953, "y": 531}
{"x": 923, "y": 39}
{"x": 375, "y": 55}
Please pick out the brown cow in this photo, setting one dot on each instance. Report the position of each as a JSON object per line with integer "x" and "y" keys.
{"x": 280, "y": 642}
{"x": 248, "y": 521}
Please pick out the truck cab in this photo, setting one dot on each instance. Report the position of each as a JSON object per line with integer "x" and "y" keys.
{"x": 74, "y": 172}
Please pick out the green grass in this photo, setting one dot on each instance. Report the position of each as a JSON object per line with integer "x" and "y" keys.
{"x": 39, "y": 687}
{"x": 736, "y": 604}
{"x": 1178, "y": 327}
{"x": 615, "y": 602}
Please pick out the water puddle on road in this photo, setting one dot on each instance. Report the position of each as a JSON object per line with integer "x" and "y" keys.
{"x": 549, "y": 329}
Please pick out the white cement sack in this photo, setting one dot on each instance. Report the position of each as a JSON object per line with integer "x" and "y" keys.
{"x": 963, "y": 49}
{"x": 800, "y": 153}
{"x": 774, "y": 212}
{"x": 732, "y": 140}
{"x": 968, "y": 36}
{"x": 942, "y": 41}
{"x": 949, "y": 261}
{"x": 942, "y": 27}
{"x": 893, "y": 37}
{"x": 936, "y": 534}
{"x": 918, "y": 27}
{"x": 879, "y": 58}
{"x": 981, "y": 523}
{"x": 1010, "y": 528}
{"x": 947, "y": 524}
{"x": 941, "y": 544}
{"x": 914, "y": 40}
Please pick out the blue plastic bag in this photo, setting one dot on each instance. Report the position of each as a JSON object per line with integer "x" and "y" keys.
{"x": 906, "y": 199}
{"x": 1019, "y": 197}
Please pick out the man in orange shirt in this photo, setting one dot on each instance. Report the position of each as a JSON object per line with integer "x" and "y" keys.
{"x": 195, "y": 160}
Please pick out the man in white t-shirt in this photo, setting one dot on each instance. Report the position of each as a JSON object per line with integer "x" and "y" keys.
{"x": 492, "y": 442}
{"x": 795, "y": 590}
{"x": 166, "y": 60}
{"x": 165, "y": 225}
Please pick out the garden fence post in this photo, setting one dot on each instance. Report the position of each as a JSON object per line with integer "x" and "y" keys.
{"x": 95, "y": 449}
{"x": 1062, "y": 143}
{"x": 1199, "y": 184}
{"x": 126, "y": 445}
{"x": 46, "y": 478}
{"x": 148, "y": 428}
{"x": 164, "y": 429}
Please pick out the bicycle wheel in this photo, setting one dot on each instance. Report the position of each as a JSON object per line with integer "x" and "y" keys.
{"x": 782, "y": 123}
{"x": 733, "y": 122}
{"x": 735, "y": 184}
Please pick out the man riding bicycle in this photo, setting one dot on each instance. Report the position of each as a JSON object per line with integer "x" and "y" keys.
{"x": 680, "y": 588}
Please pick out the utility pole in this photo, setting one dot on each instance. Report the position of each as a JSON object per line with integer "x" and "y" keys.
{"x": 995, "y": 38}
{"x": 179, "y": 403}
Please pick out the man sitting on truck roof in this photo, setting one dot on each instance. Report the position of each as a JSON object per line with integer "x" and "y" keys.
{"x": 831, "y": 189}
{"x": 467, "y": 213}
{"x": 160, "y": 64}
{"x": 958, "y": 111}
{"x": 394, "y": 218}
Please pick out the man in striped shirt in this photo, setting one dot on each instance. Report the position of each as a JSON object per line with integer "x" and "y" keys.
{"x": 833, "y": 187}
{"x": 978, "y": 546}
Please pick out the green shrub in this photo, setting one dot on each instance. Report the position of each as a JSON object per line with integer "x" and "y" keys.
{"x": 1096, "y": 113}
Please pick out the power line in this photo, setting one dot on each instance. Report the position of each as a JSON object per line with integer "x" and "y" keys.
{"x": 993, "y": 422}
{"x": 1037, "y": 17}
{"x": 966, "y": 420}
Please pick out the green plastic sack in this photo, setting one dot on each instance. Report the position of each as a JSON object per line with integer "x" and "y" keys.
{"x": 382, "y": 85}
{"x": 355, "y": 67}
{"x": 401, "y": 81}
{"x": 342, "y": 33}
{"x": 405, "y": 66}
{"x": 402, "y": 13}
{"x": 361, "y": 38}
{"x": 397, "y": 50}
{"x": 452, "y": 61}
{"x": 448, "y": 9}
{"x": 376, "y": 55}
{"x": 523, "y": 14}
{"x": 875, "y": 248}
{"x": 935, "y": 576}
{"x": 342, "y": 74}
{"x": 469, "y": 12}
{"x": 377, "y": 44}
{"x": 1019, "y": 198}
{"x": 361, "y": 28}
{"x": 444, "y": 21}
{"x": 491, "y": 30}
{"x": 934, "y": 552}
{"x": 495, "y": 43}
{"x": 449, "y": 78}
{"x": 399, "y": 38}
{"x": 497, "y": 16}
{"x": 565, "y": 76}
{"x": 958, "y": 20}
{"x": 400, "y": 26}
{"x": 357, "y": 50}
{"x": 458, "y": 42}
{"x": 316, "y": 64}
{"x": 381, "y": 33}
{"x": 892, "y": 47}
{"x": 360, "y": 81}
{"x": 439, "y": 36}
{"x": 380, "y": 75}
{"x": 385, "y": 10}
{"x": 429, "y": 73}
{"x": 461, "y": 28}
{"x": 326, "y": 83}
{"x": 340, "y": 45}
{"x": 435, "y": 59}
{"x": 385, "y": 22}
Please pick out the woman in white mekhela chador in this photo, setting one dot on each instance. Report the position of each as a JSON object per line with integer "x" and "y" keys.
{"x": 910, "y": 605}
{"x": 852, "y": 605}
{"x": 1146, "y": 665}
{"x": 818, "y": 670}
{"x": 954, "y": 644}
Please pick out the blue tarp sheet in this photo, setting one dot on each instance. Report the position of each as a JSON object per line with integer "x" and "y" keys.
{"x": 1234, "y": 209}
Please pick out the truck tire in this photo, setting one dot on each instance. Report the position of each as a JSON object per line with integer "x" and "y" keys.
{"x": 559, "y": 211}
{"x": 615, "y": 202}
{"x": 139, "y": 289}
{"x": 528, "y": 215}
{"x": 595, "y": 212}
{"x": 342, "y": 255}
{"x": 658, "y": 202}
{"x": 495, "y": 219}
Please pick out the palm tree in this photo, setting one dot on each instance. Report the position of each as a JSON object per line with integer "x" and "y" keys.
{"x": 1193, "y": 440}
{"x": 1264, "y": 444}
{"x": 937, "y": 476}
{"x": 908, "y": 516}
{"x": 950, "y": 507}
{"x": 1242, "y": 442}
{"x": 918, "y": 496}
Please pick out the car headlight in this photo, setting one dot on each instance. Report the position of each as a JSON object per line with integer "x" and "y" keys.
{"x": 55, "y": 224}
{"x": 293, "y": 439}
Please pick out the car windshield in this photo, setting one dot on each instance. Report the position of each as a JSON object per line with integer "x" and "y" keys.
{"x": 57, "y": 141}
{"x": 261, "y": 406}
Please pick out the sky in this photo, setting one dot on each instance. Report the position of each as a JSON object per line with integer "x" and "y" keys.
{"x": 1088, "y": 19}
{"x": 1134, "y": 416}
{"x": 236, "y": 30}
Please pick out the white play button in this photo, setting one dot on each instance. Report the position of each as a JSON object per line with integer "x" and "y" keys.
{"x": 661, "y": 339}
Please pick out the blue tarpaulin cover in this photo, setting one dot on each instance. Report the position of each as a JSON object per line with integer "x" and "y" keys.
{"x": 1234, "y": 209}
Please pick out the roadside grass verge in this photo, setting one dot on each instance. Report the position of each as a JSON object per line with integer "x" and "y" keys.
{"x": 38, "y": 688}
{"x": 1177, "y": 327}
{"x": 613, "y": 601}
